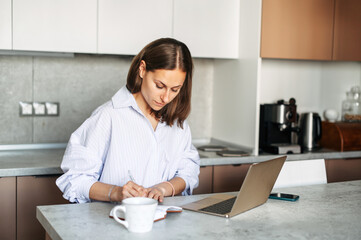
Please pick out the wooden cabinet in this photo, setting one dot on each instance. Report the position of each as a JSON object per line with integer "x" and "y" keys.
{"x": 229, "y": 178}
{"x": 57, "y": 26}
{"x": 125, "y": 27}
{"x": 7, "y": 208}
{"x": 5, "y": 25}
{"x": 339, "y": 170}
{"x": 313, "y": 30}
{"x": 222, "y": 178}
{"x": 19, "y": 197}
{"x": 33, "y": 191}
{"x": 210, "y": 28}
{"x": 297, "y": 29}
{"x": 205, "y": 180}
{"x": 347, "y": 34}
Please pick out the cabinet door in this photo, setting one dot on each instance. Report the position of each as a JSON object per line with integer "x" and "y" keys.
{"x": 8, "y": 208}
{"x": 347, "y": 36}
{"x": 5, "y": 24}
{"x": 31, "y": 192}
{"x": 57, "y": 26}
{"x": 125, "y": 27}
{"x": 297, "y": 29}
{"x": 205, "y": 180}
{"x": 339, "y": 170}
{"x": 210, "y": 28}
{"x": 229, "y": 178}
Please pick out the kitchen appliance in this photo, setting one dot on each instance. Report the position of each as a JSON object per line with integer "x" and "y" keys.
{"x": 310, "y": 130}
{"x": 341, "y": 136}
{"x": 278, "y": 126}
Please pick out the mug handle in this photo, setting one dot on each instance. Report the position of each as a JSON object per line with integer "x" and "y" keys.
{"x": 123, "y": 222}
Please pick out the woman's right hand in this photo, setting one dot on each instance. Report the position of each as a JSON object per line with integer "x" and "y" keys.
{"x": 131, "y": 189}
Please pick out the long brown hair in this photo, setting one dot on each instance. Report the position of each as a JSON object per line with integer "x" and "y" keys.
{"x": 168, "y": 54}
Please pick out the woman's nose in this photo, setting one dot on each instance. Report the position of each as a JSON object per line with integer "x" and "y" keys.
{"x": 165, "y": 96}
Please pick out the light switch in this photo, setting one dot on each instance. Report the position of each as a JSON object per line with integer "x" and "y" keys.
{"x": 26, "y": 108}
{"x": 39, "y": 108}
{"x": 52, "y": 108}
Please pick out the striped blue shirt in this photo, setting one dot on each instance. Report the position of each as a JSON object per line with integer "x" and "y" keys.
{"x": 118, "y": 138}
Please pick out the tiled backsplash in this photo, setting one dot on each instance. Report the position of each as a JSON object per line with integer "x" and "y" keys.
{"x": 80, "y": 85}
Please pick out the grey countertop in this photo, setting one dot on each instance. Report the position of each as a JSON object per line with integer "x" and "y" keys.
{"x": 327, "y": 211}
{"x": 47, "y": 161}
{"x": 30, "y": 162}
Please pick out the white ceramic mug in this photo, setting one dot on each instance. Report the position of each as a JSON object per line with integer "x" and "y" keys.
{"x": 139, "y": 213}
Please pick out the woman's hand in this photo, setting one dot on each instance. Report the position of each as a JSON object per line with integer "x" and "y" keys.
{"x": 106, "y": 192}
{"x": 131, "y": 189}
{"x": 156, "y": 193}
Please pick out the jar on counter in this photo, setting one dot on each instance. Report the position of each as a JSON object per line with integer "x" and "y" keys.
{"x": 351, "y": 108}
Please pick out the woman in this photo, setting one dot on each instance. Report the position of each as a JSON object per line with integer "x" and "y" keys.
{"x": 137, "y": 144}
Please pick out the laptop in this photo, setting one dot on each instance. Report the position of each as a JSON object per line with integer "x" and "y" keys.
{"x": 254, "y": 191}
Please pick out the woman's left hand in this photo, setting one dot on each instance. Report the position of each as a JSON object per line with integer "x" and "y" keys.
{"x": 156, "y": 193}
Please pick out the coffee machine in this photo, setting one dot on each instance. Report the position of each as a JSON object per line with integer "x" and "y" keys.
{"x": 278, "y": 127}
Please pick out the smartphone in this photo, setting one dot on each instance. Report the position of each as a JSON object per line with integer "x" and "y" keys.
{"x": 284, "y": 196}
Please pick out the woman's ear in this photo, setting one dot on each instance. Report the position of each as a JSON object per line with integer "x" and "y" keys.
{"x": 142, "y": 68}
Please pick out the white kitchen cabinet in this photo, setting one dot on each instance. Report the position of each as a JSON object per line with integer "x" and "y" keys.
{"x": 5, "y": 24}
{"x": 125, "y": 27}
{"x": 56, "y": 26}
{"x": 210, "y": 28}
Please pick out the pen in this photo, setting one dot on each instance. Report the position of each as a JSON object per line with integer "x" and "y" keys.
{"x": 130, "y": 176}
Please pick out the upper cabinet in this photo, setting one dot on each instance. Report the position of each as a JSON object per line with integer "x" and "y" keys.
{"x": 210, "y": 28}
{"x": 297, "y": 29}
{"x": 347, "y": 35}
{"x": 5, "y": 24}
{"x": 57, "y": 26}
{"x": 311, "y": 29}
{"x": 125, "y": 27}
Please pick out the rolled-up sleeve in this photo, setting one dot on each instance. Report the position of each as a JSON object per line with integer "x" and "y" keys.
{"x": 188, "y": 168}
{"x": 84, "y": 157}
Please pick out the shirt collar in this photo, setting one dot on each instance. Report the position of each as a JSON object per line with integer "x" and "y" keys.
{"x": 123, "y": 98}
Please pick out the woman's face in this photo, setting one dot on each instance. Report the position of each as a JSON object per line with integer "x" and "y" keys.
{"x": 161, "y": 86}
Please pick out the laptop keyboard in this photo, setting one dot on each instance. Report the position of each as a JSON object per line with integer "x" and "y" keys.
{"x": 221, "y": 207}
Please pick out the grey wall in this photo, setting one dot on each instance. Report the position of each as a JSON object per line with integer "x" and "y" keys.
{"x": 79, "y": 84}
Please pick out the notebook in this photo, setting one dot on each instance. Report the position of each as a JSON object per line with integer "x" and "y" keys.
{"x": 232, "y": 153}
{"x": 254, "y": 191}
{"x": 212, "y": 148}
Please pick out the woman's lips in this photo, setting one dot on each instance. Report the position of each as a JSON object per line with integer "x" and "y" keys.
{"x": 159, "y": 104}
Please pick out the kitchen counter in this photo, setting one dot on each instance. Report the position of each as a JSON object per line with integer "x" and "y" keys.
{"x": 47, "y": 161}
{"x": 211, "y": 158}
{"x": 326, "y": 211}
{"x": 30, "y": 162}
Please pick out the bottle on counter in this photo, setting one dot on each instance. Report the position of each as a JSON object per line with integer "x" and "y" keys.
{"x": 351, "y": 107}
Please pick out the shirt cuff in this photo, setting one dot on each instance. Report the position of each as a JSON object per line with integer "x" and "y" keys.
{"x": 84, "y": 190}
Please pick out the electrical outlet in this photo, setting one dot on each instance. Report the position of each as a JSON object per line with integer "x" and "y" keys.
{"x": 39, "y": 108}
{"x": 52, "y": 108}
{"x": 26, "y": 108}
